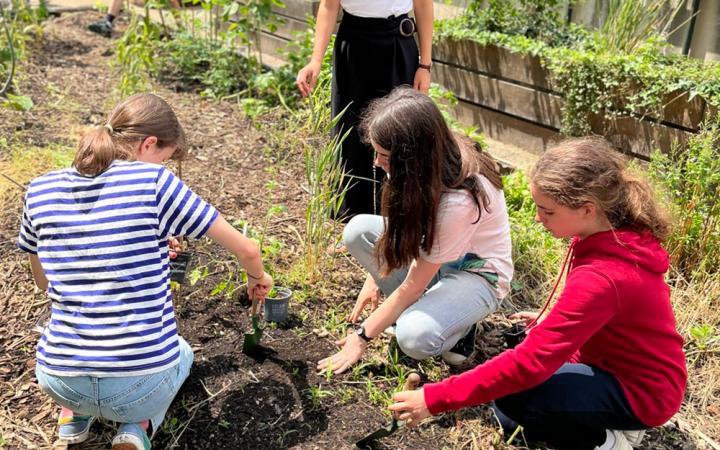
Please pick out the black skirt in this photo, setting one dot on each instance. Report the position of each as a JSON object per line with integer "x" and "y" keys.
{"x": 371, "y": 57}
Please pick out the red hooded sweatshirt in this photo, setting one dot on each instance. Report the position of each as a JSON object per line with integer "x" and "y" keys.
{"x": 614, "y": 313}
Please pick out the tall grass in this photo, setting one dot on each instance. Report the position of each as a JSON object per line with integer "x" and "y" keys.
{"x": 326, "y": 180}
{"x": 631, "y": 22}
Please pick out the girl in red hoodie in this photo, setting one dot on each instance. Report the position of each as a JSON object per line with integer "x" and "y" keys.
{"x": 606, "y": 363}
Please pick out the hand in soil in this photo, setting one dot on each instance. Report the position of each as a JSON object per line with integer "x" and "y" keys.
{"x": 525, "y": 317}
{"x": 353, "y": 347}
{"x": 410, "y": 406}
{"x": 370, "y": 293}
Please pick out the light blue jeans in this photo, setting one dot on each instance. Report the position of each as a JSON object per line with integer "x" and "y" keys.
{"x": 120, "y": 399}
{"x": 453, "y": 302}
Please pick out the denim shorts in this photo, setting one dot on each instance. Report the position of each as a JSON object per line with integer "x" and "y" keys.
{"x": 120, "y": 399}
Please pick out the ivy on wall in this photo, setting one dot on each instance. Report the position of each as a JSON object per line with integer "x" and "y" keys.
{"x": 593, "y": 77}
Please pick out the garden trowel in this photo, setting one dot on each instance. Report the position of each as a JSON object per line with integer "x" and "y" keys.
{"x": 412, "y": 383}
{"x": 252, "y": 340}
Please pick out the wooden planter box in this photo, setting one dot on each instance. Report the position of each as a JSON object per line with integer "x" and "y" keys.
{"x": 512, "y": 98}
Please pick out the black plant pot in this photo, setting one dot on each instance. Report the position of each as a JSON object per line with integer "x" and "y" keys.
{"x": 514, "y": 335}
{"x": 179, "y": 266}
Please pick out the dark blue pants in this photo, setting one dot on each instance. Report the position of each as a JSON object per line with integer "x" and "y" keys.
{"x": 571, "y": 410}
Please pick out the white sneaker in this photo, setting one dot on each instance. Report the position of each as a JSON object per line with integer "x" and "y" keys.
{"x": 634, "y": 437}
{"x": 622, "y": 439}
{"x": 464, "y": 350}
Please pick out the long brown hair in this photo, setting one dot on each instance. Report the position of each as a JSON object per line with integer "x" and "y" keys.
{"x": 589, "y": 169}
{"x": 426, "y": 160}
{"x": 133, "y": 120}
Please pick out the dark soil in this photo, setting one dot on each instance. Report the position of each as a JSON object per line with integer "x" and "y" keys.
{"x": 274, "y": 399}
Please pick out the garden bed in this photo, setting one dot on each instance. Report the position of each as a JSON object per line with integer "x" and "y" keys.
{"x": 273, "y": 400}
{"x": 513, "y": 98}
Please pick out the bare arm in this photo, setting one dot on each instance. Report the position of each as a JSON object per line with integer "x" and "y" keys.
{"x": 417, "y": 279}
{"x": 326, "y": 19}
{"x": 423, "y": 10}
{"x": 38, "y": 273}
{"x": 247, "y": 253}
{"x": 409, "y": 291}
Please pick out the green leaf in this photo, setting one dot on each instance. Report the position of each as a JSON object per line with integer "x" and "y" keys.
{"x": 19, "y": 102}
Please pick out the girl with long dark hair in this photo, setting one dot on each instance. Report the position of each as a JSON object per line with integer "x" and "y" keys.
{"x": 441, "y": 251}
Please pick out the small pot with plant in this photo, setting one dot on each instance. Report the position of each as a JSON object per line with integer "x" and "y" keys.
{"x": 276, "y": 304}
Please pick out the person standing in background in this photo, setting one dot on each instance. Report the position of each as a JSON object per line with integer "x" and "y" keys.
{"x": 375, "y": 51}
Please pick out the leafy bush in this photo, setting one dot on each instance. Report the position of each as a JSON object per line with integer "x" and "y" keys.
{"x": 220, "y": 69}
{"x": 596, "y": 74}
{"x": 691, "y": 179}
{"x": 535, "y": 19}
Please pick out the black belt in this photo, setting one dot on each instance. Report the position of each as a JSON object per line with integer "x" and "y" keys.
{"x": 402, "y": 25}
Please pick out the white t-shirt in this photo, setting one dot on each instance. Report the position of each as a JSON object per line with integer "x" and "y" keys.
{"x": 376, "y": 8}
{"x": 489, "y": 238}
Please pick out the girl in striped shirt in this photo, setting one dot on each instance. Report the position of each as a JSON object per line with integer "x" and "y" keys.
{"x": 97, "y": 234}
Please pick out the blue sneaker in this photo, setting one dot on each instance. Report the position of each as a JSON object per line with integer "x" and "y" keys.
{"x": 74, "y": 428}
{"x": 131, "y": 437}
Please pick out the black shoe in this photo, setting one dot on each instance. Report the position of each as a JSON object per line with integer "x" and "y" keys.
{"x": 101, "y": 27}
{"x": 464, "y": 351}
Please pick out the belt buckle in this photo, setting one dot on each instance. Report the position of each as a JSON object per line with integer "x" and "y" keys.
{"x": 401, "y": 27}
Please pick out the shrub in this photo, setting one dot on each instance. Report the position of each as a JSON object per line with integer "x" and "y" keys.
{"x": 691, "y": 179}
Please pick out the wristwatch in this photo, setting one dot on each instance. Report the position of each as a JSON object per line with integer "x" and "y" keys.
{"x": 360, "y": 331}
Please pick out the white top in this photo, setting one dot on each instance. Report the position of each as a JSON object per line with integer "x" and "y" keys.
{"x": 489, "y": 238}
{"x": 376, "y": 8}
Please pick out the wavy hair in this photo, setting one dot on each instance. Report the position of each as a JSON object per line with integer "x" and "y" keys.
{"x": 426, "y": 160}
{"x": 589, "y": 169}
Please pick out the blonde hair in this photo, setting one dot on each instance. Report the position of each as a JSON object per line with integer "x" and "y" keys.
{"x": 589, "y": 169}
{"x": 133, "y": 120}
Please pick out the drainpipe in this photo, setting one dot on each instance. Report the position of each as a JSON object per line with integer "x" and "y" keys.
{"x": 691, "y": 27}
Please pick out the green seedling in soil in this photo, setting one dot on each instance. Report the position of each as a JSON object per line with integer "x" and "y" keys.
{"x": 357, "y": 372}
{"x": 197, "y": 275}
{"x": 335, "y": 323}
{"x": 377, "y": 395}
{"x": 171, "y": 426}
{"x": 227, "y": 286}
{"x": 328, "y": 374}
{"x": 346, "y": 395}
{"x": 316, "y": 394}
{"x": 281, "y": 439}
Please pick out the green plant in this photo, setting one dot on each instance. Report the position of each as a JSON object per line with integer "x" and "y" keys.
{"x": 536, "y": 254}
{"x": 594, "y": 77}
{"x": 316, "y": 394}
{"x": 630, "y": 22}
{"x": 690, "y": 177}
{"x": 197, "y": 275}
{"x": 327, "y": 185}
{"x": 135, "y": 58}
{"x": 535, "y": 19}
{"x": 19, "y": 23}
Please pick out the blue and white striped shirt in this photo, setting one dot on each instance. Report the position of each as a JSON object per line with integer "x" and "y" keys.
{"x": 103, "y": 244}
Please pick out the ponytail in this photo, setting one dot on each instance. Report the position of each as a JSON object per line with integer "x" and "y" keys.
{"x": 643, "y": 210}
{"x": 589, "y": 169}
{"x": 132, "y": 121}
{"x": 97, "y": 151}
